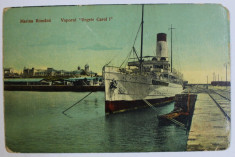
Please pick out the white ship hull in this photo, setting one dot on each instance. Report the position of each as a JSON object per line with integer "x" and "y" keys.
{"x": 125, "y": 91}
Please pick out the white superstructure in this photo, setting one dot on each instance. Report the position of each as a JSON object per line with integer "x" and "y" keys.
{"x": 121, "y": 85}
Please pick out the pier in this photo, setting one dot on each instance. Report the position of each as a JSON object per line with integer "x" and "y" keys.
{"x": 53, "y": 88}
{"x": 210, "y": 127}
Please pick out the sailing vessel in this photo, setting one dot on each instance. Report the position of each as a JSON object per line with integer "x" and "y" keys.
{"x": 145, "y": 82}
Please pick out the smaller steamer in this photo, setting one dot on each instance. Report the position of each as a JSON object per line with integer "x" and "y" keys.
{"x": 182, "y": 112}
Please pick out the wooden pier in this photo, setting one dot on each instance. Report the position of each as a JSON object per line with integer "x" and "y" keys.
{"x": 210, "y": 127}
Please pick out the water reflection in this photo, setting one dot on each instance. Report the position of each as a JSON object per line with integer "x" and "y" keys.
{"x": 35, "y": 123}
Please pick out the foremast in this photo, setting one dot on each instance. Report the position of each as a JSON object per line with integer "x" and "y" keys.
{"x": 141, "y": 48}
{"x": 171, "y": 48}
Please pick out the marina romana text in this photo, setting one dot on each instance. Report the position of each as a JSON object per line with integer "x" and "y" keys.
{"x": 35, "y": 20}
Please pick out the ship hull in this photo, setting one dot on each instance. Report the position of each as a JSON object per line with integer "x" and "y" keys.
{"x": 125, "y": 91}
{"x": 122, "y": 105}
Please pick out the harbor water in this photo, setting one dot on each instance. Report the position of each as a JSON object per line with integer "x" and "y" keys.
{"x": 34, "y": 123}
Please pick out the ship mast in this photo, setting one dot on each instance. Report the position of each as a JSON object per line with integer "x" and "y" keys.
{"x": 141, "y": 48}
{"x": 171, "y": 47}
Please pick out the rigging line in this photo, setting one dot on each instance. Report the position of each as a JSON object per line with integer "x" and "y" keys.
{"x": 178, "y": 51}
{"x": 137, "y": 34}
{"x": 134, "y": 50}
{"x": 130, "y": 50}
{"x": 132, "y": 46}
{"x": 133, "y": 43}
{"x": 126, "y": 59}
{"x": 111, "y": 59}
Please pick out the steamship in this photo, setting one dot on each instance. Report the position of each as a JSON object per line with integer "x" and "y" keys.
{"x": 145, "y": 82}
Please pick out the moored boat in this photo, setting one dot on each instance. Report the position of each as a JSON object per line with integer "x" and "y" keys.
{"x": 149, "y": 80}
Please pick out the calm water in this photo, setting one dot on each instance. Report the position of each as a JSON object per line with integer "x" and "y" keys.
{"x": 34, "y": 123}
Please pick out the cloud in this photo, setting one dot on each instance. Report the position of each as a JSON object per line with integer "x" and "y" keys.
{"x": 55, "y": 41}
{"x": 99, "y": 47}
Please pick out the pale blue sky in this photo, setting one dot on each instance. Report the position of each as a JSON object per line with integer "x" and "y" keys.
{"x": 201, "y": 37}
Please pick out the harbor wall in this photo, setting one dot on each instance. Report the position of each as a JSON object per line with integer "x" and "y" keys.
{"x": 52, "y": 88}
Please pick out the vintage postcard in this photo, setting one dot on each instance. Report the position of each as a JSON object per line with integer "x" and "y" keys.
{"x": 116, "y": 78}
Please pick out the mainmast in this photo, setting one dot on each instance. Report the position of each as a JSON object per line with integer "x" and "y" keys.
{"x": 171, "y": 47}
{"x": 141, "y": 48}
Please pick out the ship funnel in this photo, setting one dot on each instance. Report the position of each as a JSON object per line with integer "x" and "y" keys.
{"x": 161, "y": 51}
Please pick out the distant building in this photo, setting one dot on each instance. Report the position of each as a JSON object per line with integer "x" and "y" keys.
{"x": 27, "y": 72}
{"x": 9, "y": 73}
{"x": 220, "y": 83}
{"x": 87, "y": 68}
{"x": 51, "y": 72}
{"x": 8, "y": 70}
{"x": 40, "y": 72}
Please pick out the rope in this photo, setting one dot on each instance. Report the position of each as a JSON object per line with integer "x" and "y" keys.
{"x": 150, "y": 105}
{"x": 76, "y": 103}
{"x": 176, "y": 122}
{"x": 171, "y": 119}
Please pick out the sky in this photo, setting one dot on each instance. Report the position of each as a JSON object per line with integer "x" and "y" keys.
{"x": 200, "y": 40}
